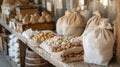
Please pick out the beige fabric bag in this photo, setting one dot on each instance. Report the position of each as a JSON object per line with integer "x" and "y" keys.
{"x": 74, "y": 24}
{"x": 61, "y": 20}
{"x": 59, "y": 25}
{"x": 98, "y": 41}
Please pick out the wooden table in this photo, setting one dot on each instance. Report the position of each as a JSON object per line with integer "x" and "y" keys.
{"x": 48, "y": 56}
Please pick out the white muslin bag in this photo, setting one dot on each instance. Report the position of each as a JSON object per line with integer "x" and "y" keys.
{"x": 59, "y": 25}
{"x": 98, "y": 42}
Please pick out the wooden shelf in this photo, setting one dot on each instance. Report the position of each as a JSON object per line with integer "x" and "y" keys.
{"x": 49, "y": 57}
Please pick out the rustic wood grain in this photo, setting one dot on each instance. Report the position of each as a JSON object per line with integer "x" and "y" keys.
{"x": 118, "y": 32}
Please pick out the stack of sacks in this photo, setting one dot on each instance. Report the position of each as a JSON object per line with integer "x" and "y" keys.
{"x": 64, "y": 48}
{"x": 98, "y": 40}
{"x": 73, "y": 23}
{"x": 14, "y": 49}
{"x": 35, "y": 18}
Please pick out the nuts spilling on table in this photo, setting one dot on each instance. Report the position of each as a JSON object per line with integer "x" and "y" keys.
{"x": 73, "y": 55}
{"x": 43, "y": 36}
{"x": 65, "y": 47}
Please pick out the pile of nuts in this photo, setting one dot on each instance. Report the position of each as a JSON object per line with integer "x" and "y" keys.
{"x": 76, "y": 55}
{"x": 43, "y": 36}
{"x": 65, "y": 47}
{"x": 60, "y": 40}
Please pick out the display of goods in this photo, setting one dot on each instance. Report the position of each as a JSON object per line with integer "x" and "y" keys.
{"x": 98, "y": 41}
{"x": 72, "y": 24}
{"x": 43, "y": 36}
{"x": 64, "y": 48}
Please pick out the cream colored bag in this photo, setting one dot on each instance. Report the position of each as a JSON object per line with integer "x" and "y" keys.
{"x": 74, "y": 24}
{"x": 59, "y": 25}
{"x": 61, "y": 20}
{"x": 98, "y": 41}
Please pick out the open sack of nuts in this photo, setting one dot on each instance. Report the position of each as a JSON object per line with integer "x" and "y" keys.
{"x": 64, "y": 48}
{"x": 98, "y": 40}
{"x": 72, "y": 23}
{"x": 38, "y": 36}
{"x": 43, "y": 35}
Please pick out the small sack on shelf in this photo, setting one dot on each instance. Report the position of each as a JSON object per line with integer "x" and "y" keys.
{"x": 98, "y": 41}
{"x": 26, "y": 19}
{"x": 33, "y": 19}
{"x": 20, "y": 17}
{"x": 41, "y": 19}
{"x": 44, "y": 13}
{"x": 48, "y": 18}
{"x": 37, "y": 16}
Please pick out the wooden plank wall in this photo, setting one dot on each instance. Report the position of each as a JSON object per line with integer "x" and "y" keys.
{"x": 118, "y": 32}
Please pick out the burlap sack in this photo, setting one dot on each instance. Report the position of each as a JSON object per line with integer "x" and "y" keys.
{"x": 59, "y": 25}
{"x": 93, "y": 21}
{"x": 98, "y": 41}
{"x": 61, "y": 20}
{"x": 74, "y": 24}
